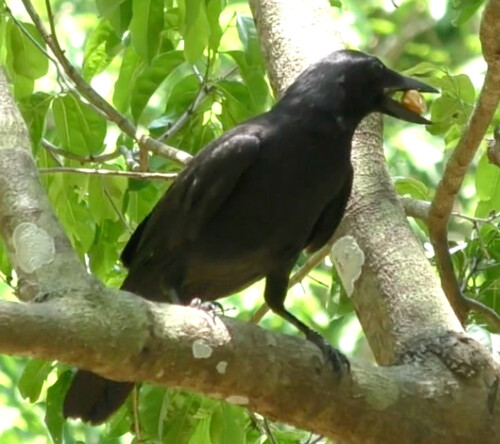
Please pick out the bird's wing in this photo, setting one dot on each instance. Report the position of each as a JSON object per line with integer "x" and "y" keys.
{"x": 330, "y": 217}
{"x": 195, "y": 197}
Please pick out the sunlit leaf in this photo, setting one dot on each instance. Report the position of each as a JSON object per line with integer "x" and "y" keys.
{"x": 145, "y": 27}
{"x": 151, "y": 78}
{"x": 80, "y": 129}
{"x": 53, "y": 414}
{"x": 196, "y": 29}
{"x": 32, "y": 379}
{"x": 29, "y": 60}
{"x": 100, "y": 48}
{"x": 118, "y": 12}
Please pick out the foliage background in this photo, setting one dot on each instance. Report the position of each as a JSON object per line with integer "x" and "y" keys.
{"x": 154, "y": 59}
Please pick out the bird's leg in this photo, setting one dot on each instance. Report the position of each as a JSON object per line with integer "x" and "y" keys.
{"x": 211, "y": 307}
{"x": 274, "y": 295}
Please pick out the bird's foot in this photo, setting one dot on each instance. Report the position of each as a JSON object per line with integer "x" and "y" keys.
{"x": 211, "y": 307}
{"x": 338, "y": 360}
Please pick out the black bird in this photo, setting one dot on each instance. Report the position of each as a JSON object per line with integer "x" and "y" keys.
{"x": 250, "y": 201}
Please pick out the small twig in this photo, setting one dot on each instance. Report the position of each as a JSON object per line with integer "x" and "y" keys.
{"x": 117, "y": 210}
{"x": 135, "y": 408}
{"x": 488, "y": 313}
{"x": 101, "y": 172}
{"x": 164, "y": 150}
{"x": 203, "y": 92}
{"x": 264, "y": 429}
{"x": 130, "y": 160}
{"x": 52, "y": 26}
{"x": 84, "y": 159}
{"x": 419, "y": 209}
{"x": 269, "y": 432}
{"x": 143, "y": 159}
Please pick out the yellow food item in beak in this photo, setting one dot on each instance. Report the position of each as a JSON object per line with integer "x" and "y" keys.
{"x": 414, "y": 101}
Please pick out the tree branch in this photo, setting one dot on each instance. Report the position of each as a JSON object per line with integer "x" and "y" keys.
{"x": 462, "y": 156}
{"x": 159, "y": 344}
{"x": 102, "y": 172}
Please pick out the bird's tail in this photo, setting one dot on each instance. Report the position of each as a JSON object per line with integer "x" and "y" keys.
{"x": 93, "y": 398}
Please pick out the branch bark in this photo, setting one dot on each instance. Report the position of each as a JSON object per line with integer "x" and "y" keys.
{"x": 159, "y": 343}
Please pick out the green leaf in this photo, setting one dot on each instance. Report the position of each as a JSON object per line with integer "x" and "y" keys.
{"x": 29, "y": 61}
{"x": 100, "y": 48}
{"x": 487, "y": 187}
{"x": 32, "y": 379}
{"x": 201, "y": 433}
{"x": 463, "y": 10}
{"x": 236, "y": 103}
{"x": 249, "y": 38}
{"x": 214, "y": 8}
{"x": 254, "y": 78}
{"x": 140, "y": 203}
{"x": 5, "y": 264}
{"x": 53, "y": 414}
{"x": 455, "y": 104}
{"x": 130, "y": 68}
{"x": 74, "y": 214}
{"x": 119, "y": 424}
{"x": 80, "y": 129}
{"x": 182, "y": 421}
{"x": 196, "y": 30}
{"x": 118, "y": 12}
{"x": 149, "y": 80}
{"x": 106, "y": 195}
{"x": 105, "y": 250}
{"x": 421, "y": 69}
{"x": 228, "y": 425}
{"x": 411, "y": 187}
{"x": 34, "y": 110}
{"x": 146, "y": 26}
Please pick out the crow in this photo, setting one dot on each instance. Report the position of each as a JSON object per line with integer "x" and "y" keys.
{"x": 248, "y": 203}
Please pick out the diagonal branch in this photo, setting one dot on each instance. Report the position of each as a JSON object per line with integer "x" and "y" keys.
{"x": 462, "y": 156}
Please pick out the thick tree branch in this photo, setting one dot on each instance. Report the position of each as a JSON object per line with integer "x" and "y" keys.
{"x": 462, "y": 156}
{"x": 159, "y": 343}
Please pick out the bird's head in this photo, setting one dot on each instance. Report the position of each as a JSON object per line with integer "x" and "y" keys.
{"x": 353, "y": 84}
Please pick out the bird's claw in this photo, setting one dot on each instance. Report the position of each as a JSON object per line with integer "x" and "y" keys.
{"x": 213, "y": 308}
{"x": 338, "y": 360}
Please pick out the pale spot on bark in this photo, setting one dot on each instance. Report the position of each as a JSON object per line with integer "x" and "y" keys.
{"x": 221, "y": 367}
{"x": 33, "y": 247}
{"x": 201, "y": 350}
{"x": 237, "y": 399}
{"x": 348, "y": 259}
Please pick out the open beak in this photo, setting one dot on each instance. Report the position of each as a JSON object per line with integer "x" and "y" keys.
{"x": 396, "y": 82}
